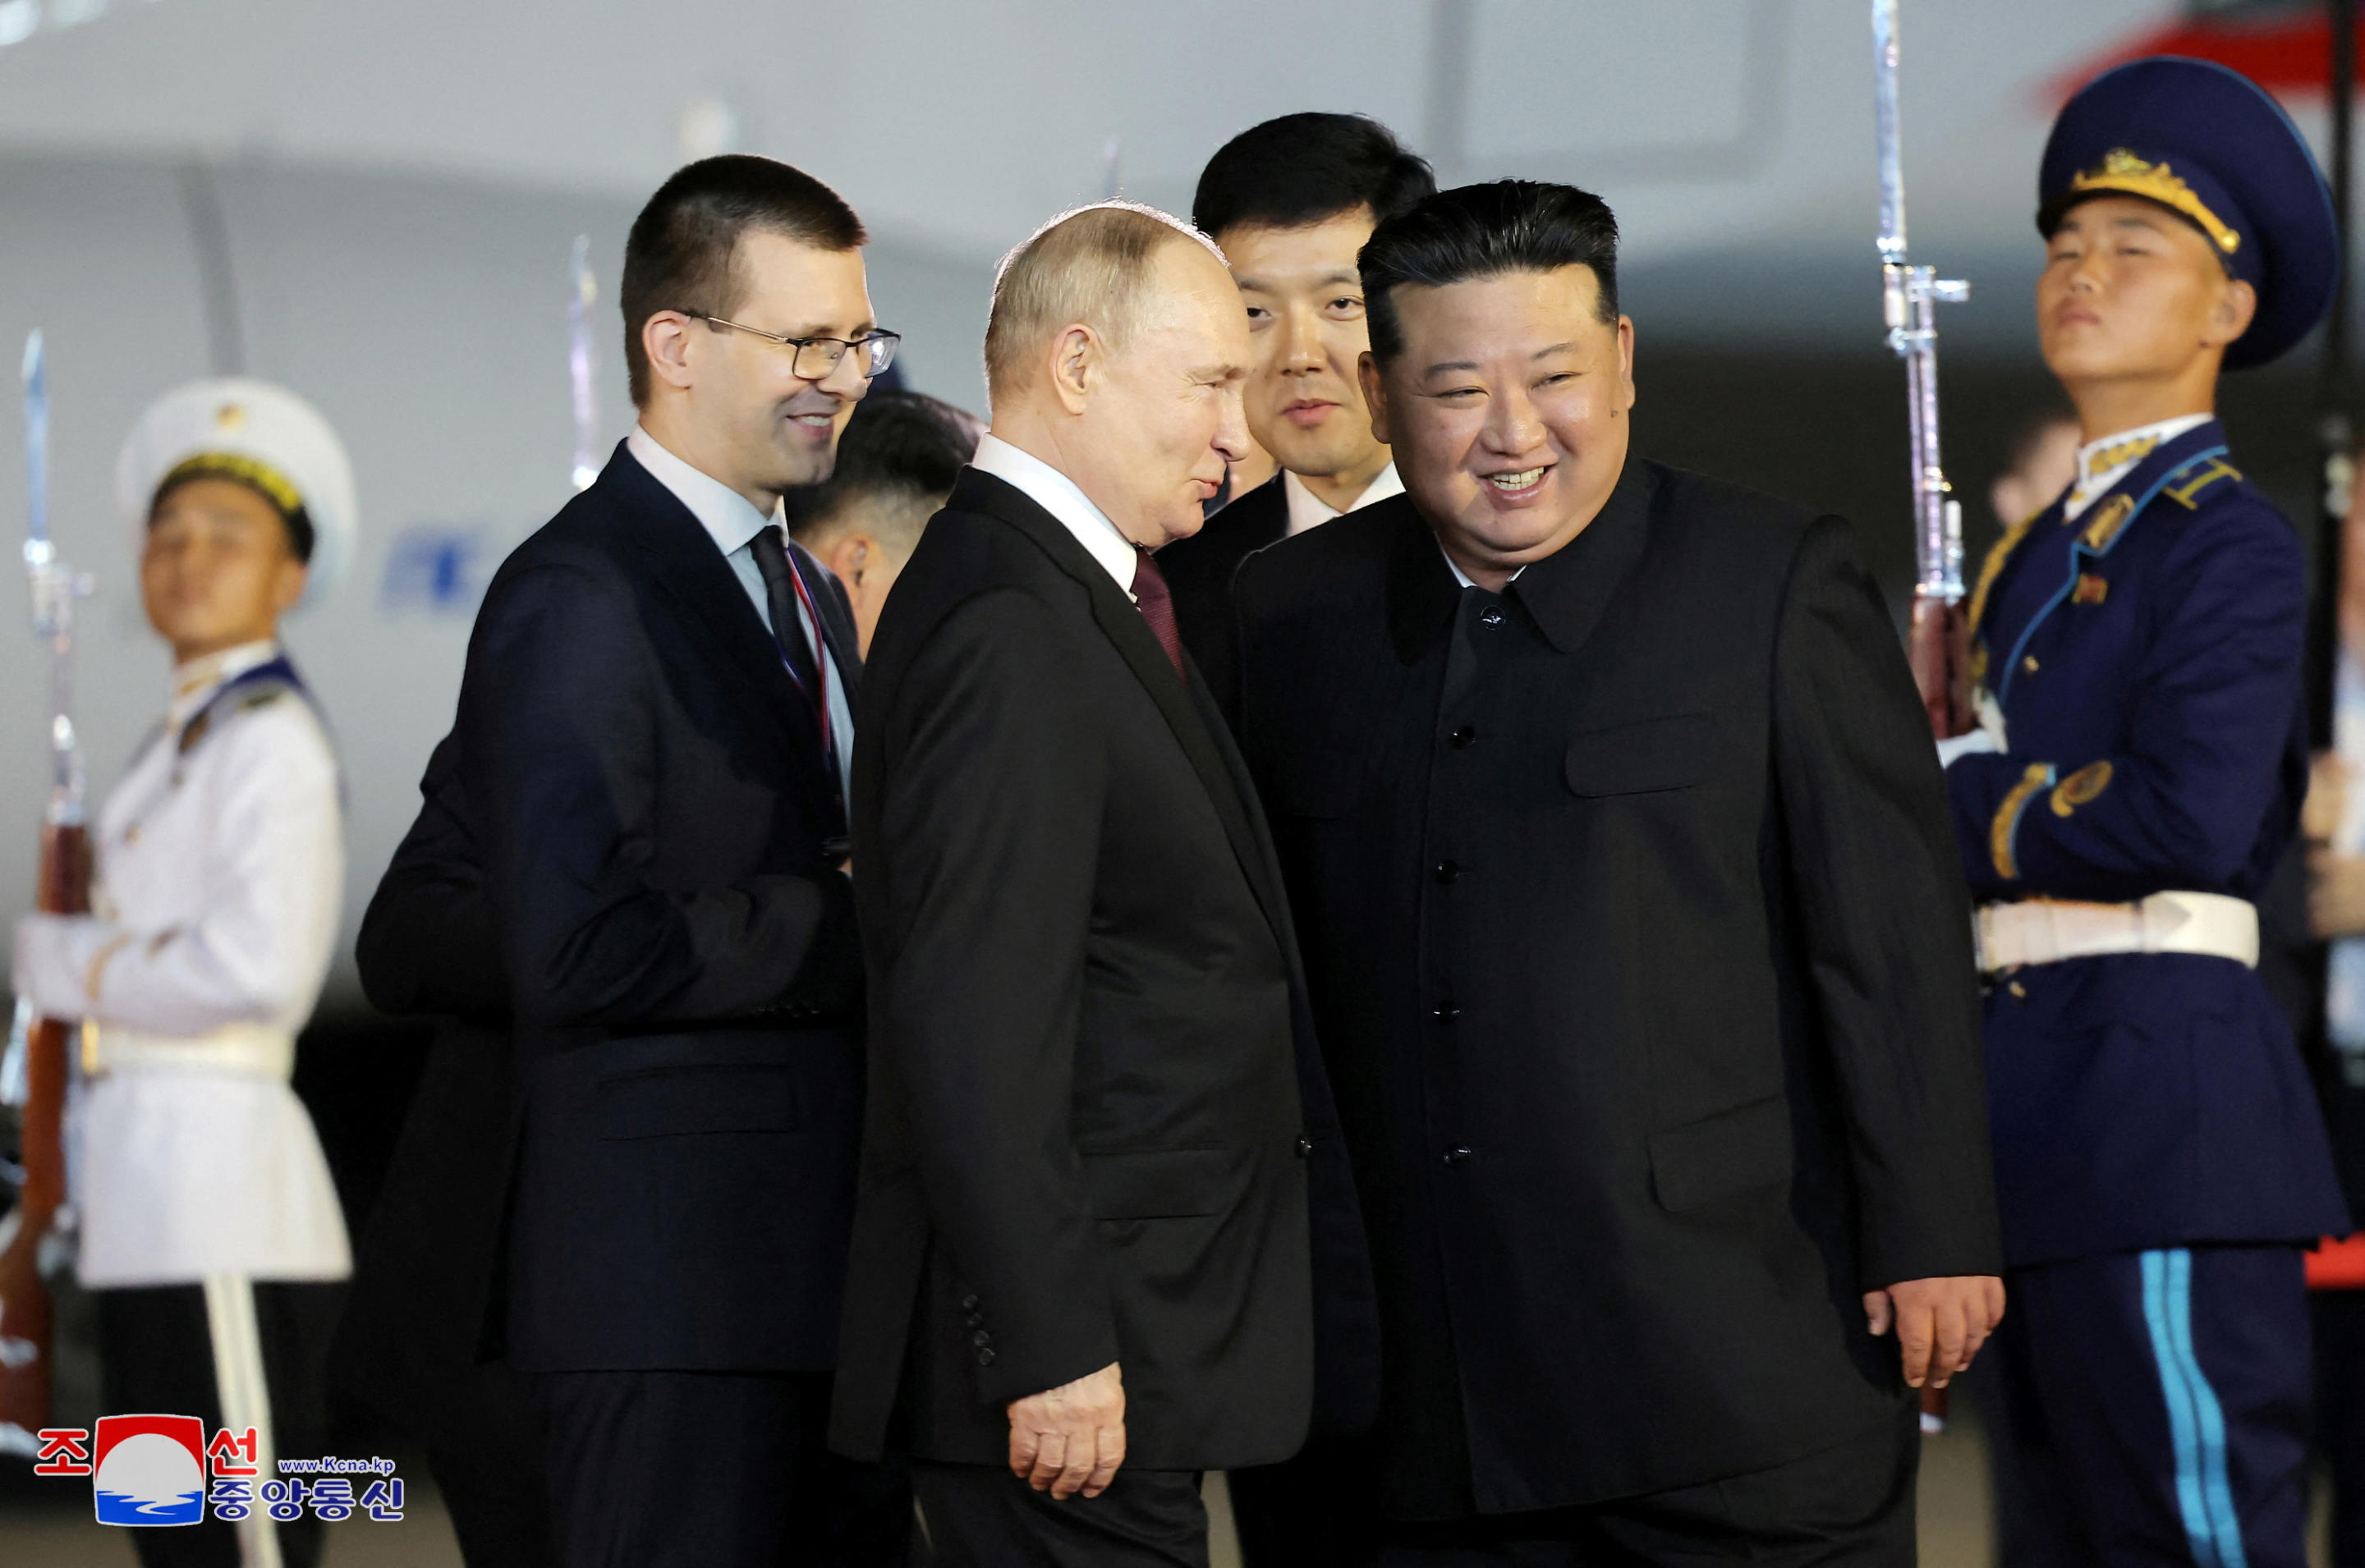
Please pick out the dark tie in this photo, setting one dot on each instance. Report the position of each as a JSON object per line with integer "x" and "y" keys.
{"x": 788, "y": 629}
{"x": 1157, "y": 606}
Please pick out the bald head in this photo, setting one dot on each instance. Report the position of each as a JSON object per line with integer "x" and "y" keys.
{"x": 1116, "y": 353}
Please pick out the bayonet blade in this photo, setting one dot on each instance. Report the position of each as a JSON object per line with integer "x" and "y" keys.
{"x": 37, "y": 450}
{"x": 580, "y": 363}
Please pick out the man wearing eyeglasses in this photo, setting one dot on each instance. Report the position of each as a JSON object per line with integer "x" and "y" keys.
{"x": 652, "y": 743}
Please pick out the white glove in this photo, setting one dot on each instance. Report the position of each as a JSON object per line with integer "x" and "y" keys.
{"x": 51, "y": 964}
{"x": 1978, "y": 742}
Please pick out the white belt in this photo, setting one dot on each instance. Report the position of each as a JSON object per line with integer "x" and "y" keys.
{"x": 252, "y": 1050}
{"x": 2046, "y": 931}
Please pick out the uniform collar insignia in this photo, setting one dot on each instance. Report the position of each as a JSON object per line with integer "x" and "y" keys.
{"x": 2130, "y": 451}
{"x": 2110, "y": 516}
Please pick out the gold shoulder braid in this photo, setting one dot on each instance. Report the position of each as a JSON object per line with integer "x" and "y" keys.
{"x": 1993, "y": 567}
{"x": 2123, "y": 171}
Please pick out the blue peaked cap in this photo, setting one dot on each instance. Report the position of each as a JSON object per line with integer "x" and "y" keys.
{"x": 2209, "y": 145}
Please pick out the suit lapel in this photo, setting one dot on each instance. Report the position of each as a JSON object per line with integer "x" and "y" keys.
{"x": 683, "y": 564}
{"x": 1185, "y": 709}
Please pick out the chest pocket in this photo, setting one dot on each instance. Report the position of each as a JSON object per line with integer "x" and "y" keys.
{"x": 1642, "y": 756}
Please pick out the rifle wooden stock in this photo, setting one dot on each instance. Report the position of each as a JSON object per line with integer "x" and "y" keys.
{"x": 1938, "y": 647}
{"x": 27, "y": 1356}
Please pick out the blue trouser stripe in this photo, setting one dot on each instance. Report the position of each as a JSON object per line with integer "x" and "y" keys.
{"x": 2216, "y": 1486}
{"x": 2204, "y": 1493}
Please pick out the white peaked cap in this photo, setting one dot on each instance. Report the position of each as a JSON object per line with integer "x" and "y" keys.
{"x": 253, "y": 422}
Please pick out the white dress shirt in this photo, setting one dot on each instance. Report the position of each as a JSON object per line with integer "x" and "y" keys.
{"x": 1058, "y": 494}
{"x": 733, "y": 524}
{"x": 1461, "y": 576}
{"x": 1307, "y": 509}
{"x": 2103, "y": 464}
{"x": 220, "y": 872}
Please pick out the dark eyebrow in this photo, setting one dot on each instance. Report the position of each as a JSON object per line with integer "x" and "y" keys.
{"x": 1450, "y": 364}
{"x": 1347, "y": 275}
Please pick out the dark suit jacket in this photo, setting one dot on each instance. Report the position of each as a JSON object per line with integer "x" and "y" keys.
{"x": 653, "y": 809}
{"x": 418, "y": 1315}
{"x": 1199, "y": 571}
{"x": 1088, "y": 1137}
{"x": 1643, "y": 965}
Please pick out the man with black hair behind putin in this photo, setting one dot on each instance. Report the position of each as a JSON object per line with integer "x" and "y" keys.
{"x": 1290, "y": 202}
{"x": 1637, "y": 950}
{"x": 897, "y": 462}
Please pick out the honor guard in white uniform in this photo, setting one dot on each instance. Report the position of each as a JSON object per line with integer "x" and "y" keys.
{"x": 207, "y": 1219}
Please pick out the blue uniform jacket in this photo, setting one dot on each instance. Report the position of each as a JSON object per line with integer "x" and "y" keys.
{"x": 2148, "y": 659}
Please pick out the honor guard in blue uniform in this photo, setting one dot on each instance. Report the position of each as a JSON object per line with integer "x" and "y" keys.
{"x": 2137, "y": 645}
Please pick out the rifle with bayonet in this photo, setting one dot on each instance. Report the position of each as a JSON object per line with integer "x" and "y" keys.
{"x": 1938, "y": 643}
{"x": 33, "y": 1075}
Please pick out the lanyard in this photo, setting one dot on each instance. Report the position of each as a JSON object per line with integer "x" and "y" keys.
{"x": 820, "y": 664}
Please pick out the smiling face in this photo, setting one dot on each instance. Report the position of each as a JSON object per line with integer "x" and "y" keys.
{"x": 730, "y": 403}
{"x": 2132, "y": 296}
{"x": 218, "y": 568}
{"x": 1506, "y": 409}
{"x": 1157, "y": 418}
{"x": 1305, "y": 306}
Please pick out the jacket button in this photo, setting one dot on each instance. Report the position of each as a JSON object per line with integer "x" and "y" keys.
{"x": 1463, "y": 736}
{"x": 2029, "y": 664}
{"x": 1448, "y": 871}
{"x": 1458, "y": 1155}
{"x": 975, "y": 1320}
{"x": 1445, "y": 1012}
{"x": 985, "y": 1358}
{"x": 1305, "y": 1147}
{"x": 1491, "y": 616}
{"x": 981, "y": 1339}
{"x": 968, "y": 1304}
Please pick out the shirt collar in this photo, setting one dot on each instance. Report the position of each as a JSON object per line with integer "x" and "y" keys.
{"x": 1059, "y": 495}
{"x": 197, "y": 680}
{"x": 1464, "y": 578}
{"x": 2103, "y": 464}
{"x": 723, "y": 511}
{"x": 1568, "y": 592}
{"x": 1309, "y": 510}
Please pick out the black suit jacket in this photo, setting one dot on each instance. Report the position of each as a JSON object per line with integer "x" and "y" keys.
{"x": 1089, "y": 1140}
{"x": 1642, "y": 959}
{"x": 1199, "y": 571}
{"x": 655, "y": 813}
{"x": 419, "y": 1315}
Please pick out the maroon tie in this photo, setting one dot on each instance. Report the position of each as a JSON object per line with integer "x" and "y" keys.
{"x": 1157, "y": 606}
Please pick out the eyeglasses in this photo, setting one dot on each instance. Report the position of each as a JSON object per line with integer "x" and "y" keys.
{"x": 817, "y": 358}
